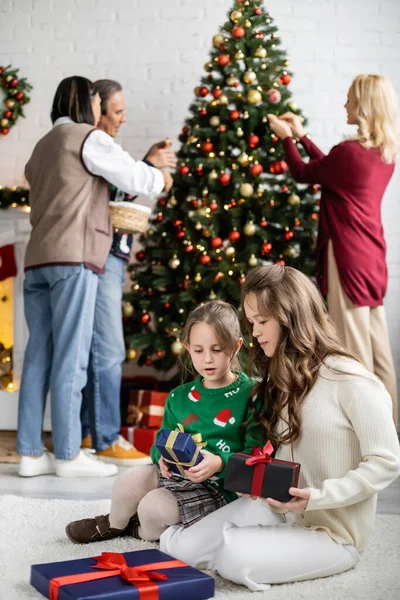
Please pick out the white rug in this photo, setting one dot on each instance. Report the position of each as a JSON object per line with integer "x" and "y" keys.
{"x": 32, "y": 531}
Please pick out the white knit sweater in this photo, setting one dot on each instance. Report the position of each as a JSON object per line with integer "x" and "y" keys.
{"x": 348, "y": 451}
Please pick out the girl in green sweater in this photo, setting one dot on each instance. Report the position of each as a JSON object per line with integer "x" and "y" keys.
{"x": 215, "y": 404}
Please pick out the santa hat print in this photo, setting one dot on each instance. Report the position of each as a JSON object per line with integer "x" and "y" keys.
{"x": 224, "y": 417}
{"x": 194, "y": 395}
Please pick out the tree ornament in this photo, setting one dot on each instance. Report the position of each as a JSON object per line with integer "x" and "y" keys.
{"x": 236, "y": 15}
{"x": 239, "y": 132}
{"x": 224, "y": 179}
{"x": 192, "y": 139}
{"x": 217, "y": 93}
{"x": 294, "y": 200}
{"x": 247, "y": 23}
{"x": 246, "y": 190}
{"x": 213, "y": 174}
{"x": 278, "y": 167}
{"x": 198, "y": 226}
{"x": 253, "y": 261}
{"x": 131, "y": 354}
{"x": 293, "y": 106}
{"x": 253, "y": 140}
{"x": 263, "y": 222}
{"x": 280, "y": 262}
{"x": 4, "y": 131}
{"x": 256, "y": 169}
{"x": 266, "y": 247}
{"x": 234, "y": 115}
{"x": 189, "y": 248}
{"x": 205, "y": 259}
{"x": 234, "y": 236}
{"x": 201, "y": 91}
{"x": 199, "y": 170}
{"x": 140, "y": 256}
{"x": 4, "y": 122}
{"x": 249, "y": 229}
{"x": 207, "y": 146}
{"x": 10, "y": 103}
{"x": 214, "y": 121}
{"x": 185, "y": 130}
{"x": 274, "y": 96}
{"x": 249, "y": 76}
{"x": 254, "y": 97}
{"x": 243, "y": 159}
{"x": 230, "y": 251}
{"x": 223, "y": 60}
{"x": 231, "y": 81}
{"x": 19, "y": 96}
{"x": 223, "y": 100}
{"x": 238, "y": 32}
{"x": 218, "y": 39}
{"x": 8, "y": 114}
{"x": 128, "y": 309}
{"x": 258, "y": 11}
{"x": 222, "y": 128}
{"x": 239, "y": 55}
{"x": 260, "y": 52}
{"x": 213, "y": 206}
{"x": 176, "y": 347}
{"x": 148, "y": 362}
{"x": 285, "y": 79}
{"x": 174, "y": 262}
{"x": 197, "y": 278}
{"x": 216, "y": 242}
{"x": 145, "y": 318}
{"x": 290, "y": 252}
{"x": 288, "y": 235}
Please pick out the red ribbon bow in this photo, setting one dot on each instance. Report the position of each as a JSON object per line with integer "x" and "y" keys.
{"x": 259, "y": 458}
{"x": 114, "y": 564}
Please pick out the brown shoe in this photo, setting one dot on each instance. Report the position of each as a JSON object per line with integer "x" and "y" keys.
{"x": 132, "y": 528}
{"x": 86, "y": 531}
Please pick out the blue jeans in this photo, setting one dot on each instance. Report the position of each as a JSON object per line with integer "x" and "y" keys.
{"x": 100, "y": 414}
{"x": 59, "y": 310}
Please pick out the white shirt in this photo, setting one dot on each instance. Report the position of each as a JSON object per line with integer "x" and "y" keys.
{"x": 104, "y": 158}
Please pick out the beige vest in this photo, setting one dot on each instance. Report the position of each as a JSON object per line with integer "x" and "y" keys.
{"x": 69, "y": 206}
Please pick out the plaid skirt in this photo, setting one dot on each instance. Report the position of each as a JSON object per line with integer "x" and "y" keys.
{"x": 195, "y": 500}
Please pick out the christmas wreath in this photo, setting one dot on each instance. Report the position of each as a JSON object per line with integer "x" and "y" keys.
{"x": 15, "y": 97}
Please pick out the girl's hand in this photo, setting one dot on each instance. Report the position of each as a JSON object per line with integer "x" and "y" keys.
{"x": 279, "y": 127}
{"x": 297, "y": 503}
{"x": 165, "y": 472}
{"x": 210, "y": 465}
{"x": 295, "y": 122}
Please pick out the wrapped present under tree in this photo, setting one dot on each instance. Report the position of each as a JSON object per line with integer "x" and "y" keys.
{"x": 179, "y": 449}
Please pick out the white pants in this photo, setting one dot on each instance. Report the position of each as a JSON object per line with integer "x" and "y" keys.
{"x": 249, "y": 544}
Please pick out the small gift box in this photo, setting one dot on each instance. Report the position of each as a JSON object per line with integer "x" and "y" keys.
{"x": 146, "y": 408}
{"x": 260, "y": 475}
{"x": 142, "y": 575}
{"x": 179, "y": 449}
{"x": 140, "y": 437}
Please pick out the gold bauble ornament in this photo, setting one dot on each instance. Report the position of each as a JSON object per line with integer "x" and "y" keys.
{"x": 212, "y": 296}
{"x": 215, "y": 121}
{"x": 202, "y": 211}
{"x": 173, "y": 202}
{"x": 236, "y": 15}
{"x": 243, "y": 159}
{"x": 246, "y": 189}
{"x": 249, "y": 76}
{"x": 249, "y": 229}
{"x": 252, "y": 261}
{"x": 239, "y": 132}
{"x": 192, "y": 139}
{"x": 4, "y": 122}
{"x": 131, "y": 354}
{"x": 217, "y": 40}
{"x": 239, "y": 55}
{"x": 230, "y": 251}
{"x": 231, "y": 80}
{"x": 10, "y": 103}
{"x": 206, "y": 232}
{"x": 128, "y": 309}
{"x": 198, "y": 226}
{"x": 176, "y": 347}
{"x": 247, "y": 23}
{"x": 294, "y": 200}
{"x": 174, "y": 262}
{"x": 260, "y": 52}
{"x": 213, "y": 174}
{"x": 290, "y": 251}
{"x": 223, "y": 99}
{"x": 9, "y": 78}
{"x": 208, "y": 67}
{"x": 197, "y": 278}
{"x": 292, "y": 105}
{"x": 254, "y": 96}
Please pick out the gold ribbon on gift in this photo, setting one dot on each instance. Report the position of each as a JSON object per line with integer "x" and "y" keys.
{"x": 169, "y": 446}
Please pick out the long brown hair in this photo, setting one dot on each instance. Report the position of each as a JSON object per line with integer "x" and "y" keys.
{"x": 224, "y": 320}
{"x": 307, "y": 338}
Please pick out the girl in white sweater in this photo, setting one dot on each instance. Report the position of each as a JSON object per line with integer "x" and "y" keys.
{"x": 323, "y": 409}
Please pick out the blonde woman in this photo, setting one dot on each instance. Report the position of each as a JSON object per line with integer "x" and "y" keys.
{"x": 325, "y": 409}
{"x": 351, "y": 249}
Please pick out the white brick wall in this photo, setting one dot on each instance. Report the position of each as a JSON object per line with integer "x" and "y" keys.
{"x": 157, "y": 50}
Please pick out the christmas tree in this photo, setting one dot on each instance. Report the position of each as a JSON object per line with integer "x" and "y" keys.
{"x": 234, "y": 204}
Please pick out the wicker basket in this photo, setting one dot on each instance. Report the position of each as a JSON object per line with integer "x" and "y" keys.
{"x": 129, "y": 217}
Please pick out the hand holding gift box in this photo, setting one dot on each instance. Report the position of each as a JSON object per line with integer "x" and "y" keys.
{"x": 180, "y": 450}
{"x": 260, "y": 475}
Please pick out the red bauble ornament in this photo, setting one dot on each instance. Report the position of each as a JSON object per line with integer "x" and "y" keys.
{"x": 159, "y": 218}
{"x": 207, "y": 147}
{"x": 8, "y": 114}
{"x": 288, "y": 235}
{"x": 202, "y": 91}
{"x": 315, "y": 188}
{"x": 234, "y": 236}
{"x": 14, "y": 82}
{"x": 314, "y": 216}
{"x": 284, "y": 189}
{"x": 213, "y": 205}
{"x": 256, "y": 169}
{"x": 4, "y": 131}
{"x": 257, "y": 11}
{"x": 297, "y": 223}
{"x": 216, "y": 242}
{"x": 180, "y": 235}
{"x": 263, "y": 223}
{"x": 183, "y": 170}
{"x": 223, "y": 59}
{"x": 2, "y": 69}
{"x": 253, "y": 140}
{"x": 280, "y": 262}
{"x": 177, "y": 223}
{"x": 148, "y": 362}
{"x": 199, "y": 170}
{"x": 203, "y": 111}
{"x": 285, "y": 79}
{"x": 140, "y": 255}
{"x": 162, "y": 202}
{"x": 189, "y": 248}
{"x": 275, "y": 138}
{"x": 238, "y": 32}
{"x": 19, "y": 96}
{"x": 224, "y": 178}
{"x": 218, "y": 277}
{"x": 222, "y": 128}
{"x": 205, "y": 259}
{"x": 167, "y": 305}
{"x": 145, "y": 318}
{"x": 185, "y": 130}
{"x": 159, "y": 353}
{"x": 266, "y": 247}
{"x": 217, "y": 93}
{"x": 278, "y": 167}
{"x": 259, "y": 35}
{"x": 234, "y": 114}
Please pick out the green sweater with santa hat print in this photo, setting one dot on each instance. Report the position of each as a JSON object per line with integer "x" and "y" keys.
{"x": 216, "y": 413}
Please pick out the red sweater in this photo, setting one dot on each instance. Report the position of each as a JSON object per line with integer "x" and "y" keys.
{"x": 353, "y": 181}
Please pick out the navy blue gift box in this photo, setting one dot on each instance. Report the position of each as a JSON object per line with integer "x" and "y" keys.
{"x": 179, "y": 449}
{"x": 172, "y": 583}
